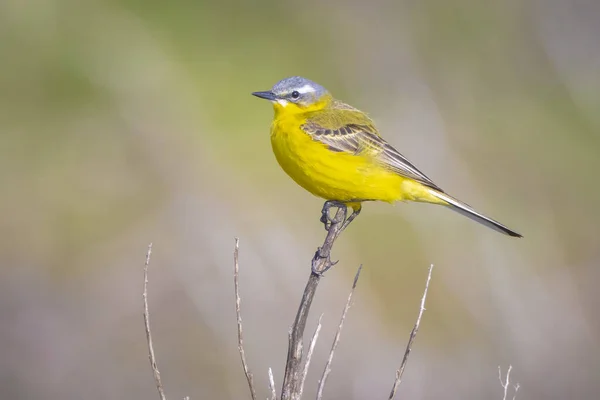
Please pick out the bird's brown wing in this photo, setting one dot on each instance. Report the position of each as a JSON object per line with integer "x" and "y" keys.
{"x": 352, "y": 132}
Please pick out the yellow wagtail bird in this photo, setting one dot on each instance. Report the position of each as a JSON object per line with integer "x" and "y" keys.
{"x": 335, "y": 152}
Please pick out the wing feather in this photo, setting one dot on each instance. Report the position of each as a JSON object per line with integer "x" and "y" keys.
{"x": 348, "y": 130}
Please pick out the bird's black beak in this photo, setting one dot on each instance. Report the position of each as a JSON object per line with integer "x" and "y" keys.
{"x": 268, "y": 95}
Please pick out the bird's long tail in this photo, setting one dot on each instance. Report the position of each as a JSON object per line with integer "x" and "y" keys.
{"x": 467, "y": 211}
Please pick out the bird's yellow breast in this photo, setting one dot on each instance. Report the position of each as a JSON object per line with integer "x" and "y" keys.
{"x": 329, "y": 174}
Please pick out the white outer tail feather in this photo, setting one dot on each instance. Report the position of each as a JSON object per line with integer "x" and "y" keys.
{"x": 468, "y": 212}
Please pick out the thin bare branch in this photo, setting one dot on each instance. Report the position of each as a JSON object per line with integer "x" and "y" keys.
{"x": 311, "y": 349}
{"x": 321, "y": 262}
{"x": 505, "y": 385}
{"x": 238, "y": 300}
{"x": 411, "y": 338}
{"x": 272, "y": 385}
{"x": 336, "y": 340}
{"x": 151, "y": 356}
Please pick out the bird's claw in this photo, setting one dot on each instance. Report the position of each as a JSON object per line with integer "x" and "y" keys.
{"x": 326, "y": 219}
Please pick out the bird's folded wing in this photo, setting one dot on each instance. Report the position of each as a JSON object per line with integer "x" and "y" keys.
{"x": 353, "y": 132}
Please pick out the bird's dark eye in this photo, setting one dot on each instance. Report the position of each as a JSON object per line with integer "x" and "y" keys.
{"x": 295, "y": 94}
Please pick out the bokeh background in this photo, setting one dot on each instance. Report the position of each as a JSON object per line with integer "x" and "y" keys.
{"x": 126, "y": 122}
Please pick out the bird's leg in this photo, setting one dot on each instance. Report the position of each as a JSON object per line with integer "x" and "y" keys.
{"x": 324, "y": 253}
{"x": 355, "y": 212}
{"x": 322, "y": 261}
{"x": 325, "y": 218}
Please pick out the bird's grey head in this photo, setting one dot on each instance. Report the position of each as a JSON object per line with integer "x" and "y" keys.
{"x": 296, "y": 89}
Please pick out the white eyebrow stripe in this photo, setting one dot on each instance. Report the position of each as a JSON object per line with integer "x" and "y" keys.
{"x": 306, "y": 89}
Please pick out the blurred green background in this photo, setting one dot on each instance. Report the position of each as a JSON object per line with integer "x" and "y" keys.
{"x": 124, "y": 122}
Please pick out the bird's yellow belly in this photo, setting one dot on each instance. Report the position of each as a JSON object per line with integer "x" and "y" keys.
{"x": 332, "y": 175}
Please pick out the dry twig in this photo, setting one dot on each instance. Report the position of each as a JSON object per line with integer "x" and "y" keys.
{"x": 236, "y": 273}
{"x": 311, "y": 349}
{"x": 506, "y": 384}
{"x": 321, "y": 262}
{"x": 151, "y": 356}
{"x": 272, "y": 385}
{"x": 411, "y": 338}
{"x": 336, "y": 340}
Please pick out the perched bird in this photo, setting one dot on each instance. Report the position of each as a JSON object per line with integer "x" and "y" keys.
{"x": 335, "y": 152}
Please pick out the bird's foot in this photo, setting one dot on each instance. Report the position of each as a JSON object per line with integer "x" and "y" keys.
{"x": 326, "y": 219}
